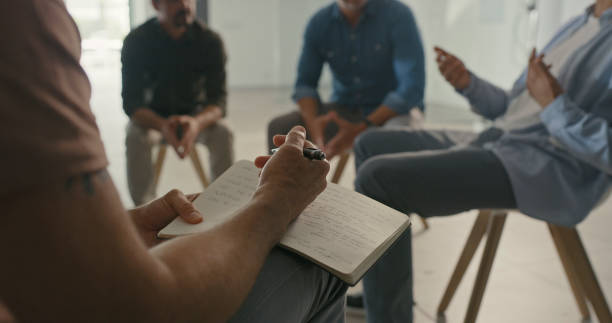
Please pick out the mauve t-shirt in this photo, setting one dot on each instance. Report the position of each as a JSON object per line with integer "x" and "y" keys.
{"x": 47, "y": 130}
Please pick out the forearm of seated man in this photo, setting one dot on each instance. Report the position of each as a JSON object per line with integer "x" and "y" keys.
{"x": 208, "y": 116}
{"x": 75, "y": 253}
{"x": 381, "y": 115}
{"x": 147, "y": 118}
{"x": 309, "y": 109}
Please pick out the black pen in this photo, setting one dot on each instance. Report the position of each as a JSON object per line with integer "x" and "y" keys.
{"x": 310, "y": 153}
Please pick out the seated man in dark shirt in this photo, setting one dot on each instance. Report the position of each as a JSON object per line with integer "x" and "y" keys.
{"x": 173, "y": 84}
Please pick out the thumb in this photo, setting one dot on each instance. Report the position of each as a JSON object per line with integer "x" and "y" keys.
{"x": 183, "y": 207}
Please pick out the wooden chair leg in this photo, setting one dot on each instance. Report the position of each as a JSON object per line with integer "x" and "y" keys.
{"x": 584, "y": 271}
{"x": 340, "y": 167}
{"x": 159, "y": 163}
{"x": 570, "y": 272}
{"x": 496, "y": 227}
{"x": 425, "y": 223}
{"x": 471, "y": 245}
{"x": 197, "y": 164}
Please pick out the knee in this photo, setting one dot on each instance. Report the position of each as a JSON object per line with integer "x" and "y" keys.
{"x": 362, "y": 145}
{"x": 277, "y": 126}
{"x": 136, "y": 136}
{"x": 222, "y": 134}
{"x": 369, "y": 175}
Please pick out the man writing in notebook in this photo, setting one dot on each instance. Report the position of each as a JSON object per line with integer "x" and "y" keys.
{"x": 173, "y": 89}
{"x": 72, "y": 253}
{"x": 375, "y": 54}
{"x": 548, "y": 154}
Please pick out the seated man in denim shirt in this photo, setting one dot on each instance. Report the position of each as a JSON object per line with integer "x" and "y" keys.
{"x": 374, "y": 51}
{"x": 548, "y": 155}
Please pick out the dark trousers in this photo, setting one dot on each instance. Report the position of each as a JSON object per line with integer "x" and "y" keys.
{"x": 431, "y": 173}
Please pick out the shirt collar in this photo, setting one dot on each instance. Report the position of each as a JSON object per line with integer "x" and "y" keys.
{"x": 371, "y": 8}
{"x": 605, "y": 19}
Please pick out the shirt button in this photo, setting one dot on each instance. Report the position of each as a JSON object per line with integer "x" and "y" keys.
{"x": 353, "y": 36}
{"x": 354, "y": 59}
{"x": 378, "y": 47}
{"x": 357, "y": 80}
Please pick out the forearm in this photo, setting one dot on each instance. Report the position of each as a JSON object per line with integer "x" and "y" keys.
{"x": 485, "y": 98}
{"x": 309, "y": 109}
{"x": 201, "y": 278}
{"x": 381, "y": 115}
{"x": 147, "y": 118}
{"x": 208, "y": 116}
{"x": 220, "y": 272}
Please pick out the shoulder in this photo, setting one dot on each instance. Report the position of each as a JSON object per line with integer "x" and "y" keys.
{"x": 205, "y": 34}
{"x": 322, "y": 17}
{"x": 142, "y": 32}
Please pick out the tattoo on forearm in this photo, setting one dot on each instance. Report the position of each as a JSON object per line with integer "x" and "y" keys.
{"x": 86, "y": 180}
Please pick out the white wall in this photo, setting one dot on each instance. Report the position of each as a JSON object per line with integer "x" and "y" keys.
{"x": 263, "y": 38}
{"x": 141, "y": 11}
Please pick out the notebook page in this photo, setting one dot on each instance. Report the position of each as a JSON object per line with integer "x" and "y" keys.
{"x": 220, "y": 200}
{"x": 341, "y": 228}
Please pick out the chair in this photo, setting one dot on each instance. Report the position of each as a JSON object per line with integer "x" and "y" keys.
{"x": 195, "y": 160}
{"x": 574, "y": 259}
{"x": 344, "y": 157}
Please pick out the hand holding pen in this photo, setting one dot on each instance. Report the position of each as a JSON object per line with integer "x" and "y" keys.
{"x": 292, "y": 179}
{"x": 309, "y": 152}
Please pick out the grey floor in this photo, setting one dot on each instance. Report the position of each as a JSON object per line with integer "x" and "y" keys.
{"x": 527, "y": 283}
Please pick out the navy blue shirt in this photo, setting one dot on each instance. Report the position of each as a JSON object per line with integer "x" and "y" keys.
{"x": 378, "y": 62}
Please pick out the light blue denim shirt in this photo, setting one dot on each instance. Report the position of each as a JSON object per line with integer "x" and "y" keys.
{"x": 379, "y": 62}
{"x": 561, "y": 167}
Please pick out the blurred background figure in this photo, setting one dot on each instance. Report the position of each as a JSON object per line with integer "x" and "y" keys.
{"x": 173, "y": 85}
{"x": 375, "y": 53}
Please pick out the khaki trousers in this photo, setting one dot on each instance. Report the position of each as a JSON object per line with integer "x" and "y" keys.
{"x": 139, "y": 143}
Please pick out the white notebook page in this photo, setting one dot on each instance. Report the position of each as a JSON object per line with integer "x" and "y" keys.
{"x": 340, "y": 228}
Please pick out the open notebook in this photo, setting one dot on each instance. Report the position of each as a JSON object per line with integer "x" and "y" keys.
{"x": 342, "y": 231}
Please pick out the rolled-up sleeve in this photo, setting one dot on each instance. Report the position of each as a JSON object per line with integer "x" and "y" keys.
{"x": 309, "y": 66}
{"x": 586, "y": 136}
{"x": 485, "y": 98}
{"x": 408, "y": 65}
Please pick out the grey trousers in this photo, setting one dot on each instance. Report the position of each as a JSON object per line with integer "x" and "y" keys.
{"x": 292, "y": 289}
{"x": 139, "y": 142}
{"x": 282, "y": 124}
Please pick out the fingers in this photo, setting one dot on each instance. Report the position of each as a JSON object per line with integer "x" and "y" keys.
{"x": 278, "y": 140}
{"x": 193, "y": 196}
{"x": 261, "y": 161}
{"x": 440, "y": 51}
{"x": 182, "y": 205}
{"x": 441, "y": 55}
{"x": 296, "y": 137}
{"x": 532, "y": 56}
{"x": 334, "y": 116}
{"x": 451, "y": 69}
{"x": 332, "y": 148}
